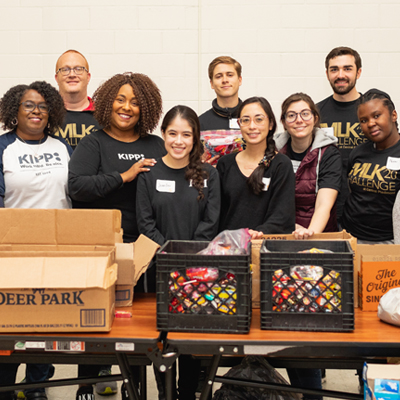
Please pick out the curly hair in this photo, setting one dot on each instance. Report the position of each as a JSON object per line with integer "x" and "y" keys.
{"x": 9, "y": 105}
{"x": 254, "y": 181}
{"x": 146, "y": 92}
{"x": 194, "y": 171}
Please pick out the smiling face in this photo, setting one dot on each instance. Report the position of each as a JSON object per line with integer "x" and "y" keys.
{"x": 31, "y": 124}
{"x": 299, "y": 129}
{"x": 342, "y": 74}
{"x": 225, "y": 81}
{"x": 378, "y": 124}
{"x": 178, "y": 139}
{"x": 125, "y": 111}
{"x": 255, "y": 133}
{"x": 72, "y": 83}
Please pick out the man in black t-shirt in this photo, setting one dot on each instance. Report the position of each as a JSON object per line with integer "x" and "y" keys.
{"x": 73, "y": 77}
{"x": 339, "y": 111}
{"x": 225, "y": 75}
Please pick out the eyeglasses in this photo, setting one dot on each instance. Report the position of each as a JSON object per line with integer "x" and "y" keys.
{"x": 30, "y": 106}
{"x": 258, "y": 120}
{"x": 305, "y": 115}
{"x": 67, "y": 70}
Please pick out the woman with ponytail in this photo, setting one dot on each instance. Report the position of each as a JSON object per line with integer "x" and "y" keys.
{"x": 179, "y": 198}
{"x": 257, "y": 184}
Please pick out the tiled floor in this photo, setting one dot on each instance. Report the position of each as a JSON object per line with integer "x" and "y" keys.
{"x": 339, "y": 380}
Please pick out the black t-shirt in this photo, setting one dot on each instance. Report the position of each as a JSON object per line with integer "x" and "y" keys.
{"x": 273, "y": 211}
{"x": 342, "y": 116}
{"x": 373, "y": 184}
{"x": 330, "y": 164}
{"x": 94, "y": 175}
{"x": 77, "y": 125}
{"x": 168, "y": 209}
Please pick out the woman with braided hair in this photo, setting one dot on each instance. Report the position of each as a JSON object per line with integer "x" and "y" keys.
{"x": 257, "y": 184}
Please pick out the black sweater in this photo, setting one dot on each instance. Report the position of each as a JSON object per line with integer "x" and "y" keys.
{"x": 273, "y": 211}
{"x": 94, "y": 175}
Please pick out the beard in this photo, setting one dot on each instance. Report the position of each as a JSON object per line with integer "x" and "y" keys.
{"x": 343, "y": 89}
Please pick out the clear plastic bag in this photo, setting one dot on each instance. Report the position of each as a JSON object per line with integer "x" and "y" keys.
{"x": 254, "y": 368}
{"x": 229, "y": 243}
{"x": 389, "y": 307}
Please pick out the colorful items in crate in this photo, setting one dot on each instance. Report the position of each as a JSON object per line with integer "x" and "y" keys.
{"x": 307, "y": 289}
{"x": 202, "y": 291}
{"x": 221, "y": 142}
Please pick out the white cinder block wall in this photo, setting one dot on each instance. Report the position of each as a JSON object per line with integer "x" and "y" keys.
{"x": 281, "y": 44}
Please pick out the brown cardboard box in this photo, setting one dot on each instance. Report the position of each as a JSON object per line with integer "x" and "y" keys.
{"x": 255, "y": 257}
{"x": 133, "y": 260}
{"x": 52, "y": 291}
{"x": 79, "y": 231}
{"x": 379, "y": 271}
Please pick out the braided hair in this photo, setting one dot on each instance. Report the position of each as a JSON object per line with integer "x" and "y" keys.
{"x": 254, "y": 181}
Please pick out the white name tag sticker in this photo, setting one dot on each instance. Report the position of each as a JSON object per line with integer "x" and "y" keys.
{"x": 296, "y": 165}
{"x": 393, "y": 163}
{"x": 266, "y": 182}
{"x": 165, "y": 186}
{"x": 233, "y": 124}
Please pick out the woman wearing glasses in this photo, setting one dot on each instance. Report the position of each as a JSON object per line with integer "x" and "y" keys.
{"x": 257, "y": 184}
{"x": 33, "y": 174}
{"x": 316, "y": 163}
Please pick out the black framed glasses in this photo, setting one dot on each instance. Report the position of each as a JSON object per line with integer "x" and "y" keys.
{"x": 258, "y": 120}
{"x": 305, "y": 115}
{"x": 67, "y": 70}
{"x": 29, "y": 106}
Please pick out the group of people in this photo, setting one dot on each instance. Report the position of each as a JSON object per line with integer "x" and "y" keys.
{"x": 334, "y": 166}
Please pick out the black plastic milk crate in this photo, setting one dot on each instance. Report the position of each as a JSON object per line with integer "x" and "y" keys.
{"x": 174, "y": 258}
{"x": 296, "y": 309}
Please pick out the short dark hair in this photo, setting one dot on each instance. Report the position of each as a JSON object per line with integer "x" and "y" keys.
{"x": 224, "y": 60}
{"x": 294, "y": 98}
{"x": 9, "y": 105}
{"x": 146, "y": 92}
{"x": 342, "y": 51}
{"x": 373, "y": 94}
{"x": 195, "y": 170}
{"x": 254, "y": 181}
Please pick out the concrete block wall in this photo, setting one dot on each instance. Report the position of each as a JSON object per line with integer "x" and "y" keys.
{"x": 281, "y": 44}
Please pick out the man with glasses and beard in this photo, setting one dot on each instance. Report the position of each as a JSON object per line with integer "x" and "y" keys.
{"x": 339, "y": 111}
{"x": 73, "y": 77}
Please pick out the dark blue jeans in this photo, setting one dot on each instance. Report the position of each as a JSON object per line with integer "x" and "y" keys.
{"x": 34, "y": 373}
{"x": 306, "y": 378}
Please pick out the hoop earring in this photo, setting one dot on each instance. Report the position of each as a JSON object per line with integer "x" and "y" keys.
{"x": 14, "y": 122}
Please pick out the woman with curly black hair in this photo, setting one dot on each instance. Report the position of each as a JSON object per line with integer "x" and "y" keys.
{"x": 34, "y": 163}
{"x": 33, "y": 174}
{"x": 105, "y": 164}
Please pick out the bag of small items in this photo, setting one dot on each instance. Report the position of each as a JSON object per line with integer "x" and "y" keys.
{"x": 254, "y": 368}
{"x": 389, "y": 307}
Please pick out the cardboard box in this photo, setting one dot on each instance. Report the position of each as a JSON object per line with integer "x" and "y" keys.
{"x": 383, "y": 382}
{"x": 50, "y": 291}
{"x": 255, "y": 257}
{"x": 133, "y": 260}
{"x": 379, "y": 271}
{"x": 83, "y": 233}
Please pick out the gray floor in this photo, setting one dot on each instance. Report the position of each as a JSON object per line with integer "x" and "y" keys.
{"x": 339, "y": 380}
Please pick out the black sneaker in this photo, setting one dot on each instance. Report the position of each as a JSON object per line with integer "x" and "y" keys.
{"x": 85, "y": 393}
